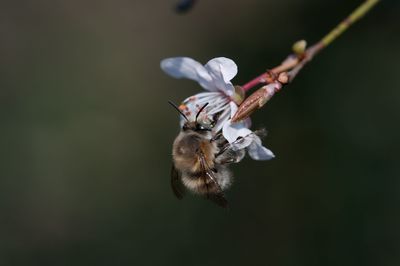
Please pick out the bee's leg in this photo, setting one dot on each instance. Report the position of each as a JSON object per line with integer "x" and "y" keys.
{"x": 223, "y": 149}
{"x": 219, "y": 140}
{"x": 216, "y": 137}
{"x": 230, "y": 156}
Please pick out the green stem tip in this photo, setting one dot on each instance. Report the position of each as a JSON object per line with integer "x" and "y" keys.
{"x": 345, "y": 24}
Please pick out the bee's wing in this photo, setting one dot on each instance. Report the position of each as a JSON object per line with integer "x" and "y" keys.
{"x": 216, "y": 196}
{"x": 176, "y": 184}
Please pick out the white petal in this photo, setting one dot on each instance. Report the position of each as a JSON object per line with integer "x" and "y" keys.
{"x": 259, "y": 152}
{"x": 185, "y": 67}
{"x": 222, "y": 70}
{"x": 226, "y": 66}
{"x": 217, "y": 103}
{"x": 234, "y": 108}
{"x": 242, "y": 143}
{"x": 247, "y": 122}
{"x": 232, "y": 132}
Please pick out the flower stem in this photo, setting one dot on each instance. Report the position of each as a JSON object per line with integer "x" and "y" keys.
{"x": 284, "y": 73}
{"x": 345, "y": 24}
{"x": 295, "y": 64}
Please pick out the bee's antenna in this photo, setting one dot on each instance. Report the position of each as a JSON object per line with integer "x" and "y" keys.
{"x": 201, "y": 109}
{"x": 177, "y": 108}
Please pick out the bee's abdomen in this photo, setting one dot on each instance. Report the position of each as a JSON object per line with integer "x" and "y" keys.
{"x": 200, "y": 182}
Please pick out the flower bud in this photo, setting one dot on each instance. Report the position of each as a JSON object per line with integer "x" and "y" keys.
{"x": 299, "y": 47}
{"x": 283, "y": 77}
{"x": 255, "y": 101}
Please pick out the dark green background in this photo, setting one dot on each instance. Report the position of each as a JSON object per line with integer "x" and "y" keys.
{"x": 86, "y": 136}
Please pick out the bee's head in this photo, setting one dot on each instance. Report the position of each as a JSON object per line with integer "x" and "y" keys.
{"x": 194, "y": 125}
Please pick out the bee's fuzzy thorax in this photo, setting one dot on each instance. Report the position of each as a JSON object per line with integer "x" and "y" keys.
{"x": 185, "y": 151}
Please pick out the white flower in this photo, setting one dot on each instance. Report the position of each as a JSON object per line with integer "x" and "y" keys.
{"x": 215, "y": 77}
{"x": 241, "y": 137}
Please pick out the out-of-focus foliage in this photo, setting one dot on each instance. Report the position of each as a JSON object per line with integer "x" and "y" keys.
{"x": 86, "y": 136}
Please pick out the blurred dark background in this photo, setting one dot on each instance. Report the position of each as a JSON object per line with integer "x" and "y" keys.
{"x": 86, "y": 136}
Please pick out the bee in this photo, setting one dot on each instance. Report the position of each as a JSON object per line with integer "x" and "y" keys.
{"x": 200, "y": 160}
